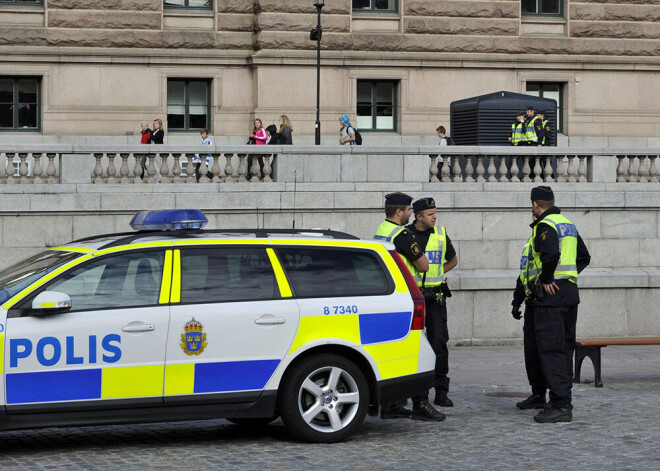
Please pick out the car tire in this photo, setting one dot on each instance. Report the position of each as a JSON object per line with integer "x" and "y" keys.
{"x": 323, "y": 399}
{"x": 252, "y": 422}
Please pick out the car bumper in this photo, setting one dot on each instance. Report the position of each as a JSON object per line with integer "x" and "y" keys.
{"x": 404, "y": 387}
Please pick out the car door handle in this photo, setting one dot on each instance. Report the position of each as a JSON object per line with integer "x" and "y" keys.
{"x": 138, "y": 327}
{"x": 269, "y": 319}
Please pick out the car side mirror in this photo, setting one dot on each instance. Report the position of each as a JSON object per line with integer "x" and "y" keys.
{"x": 50, "y": 302}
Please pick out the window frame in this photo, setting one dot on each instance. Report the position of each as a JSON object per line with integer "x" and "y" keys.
{"x": 538, "y": 12}
{"x": 372, "y": 8}
{"x": 186, "y": 115}
{"x": 559, "y": 112}
{"x": 211, "y": 6}
{"x": 391, "y": 286}
{"x": 15, "y": 102}
{"x": 374, "y": 105}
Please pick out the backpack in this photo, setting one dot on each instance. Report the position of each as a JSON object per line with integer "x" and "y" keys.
{"x": 276, "y": 139}
{"x": 358, "y": 137}
{"x": 450, "y": 141}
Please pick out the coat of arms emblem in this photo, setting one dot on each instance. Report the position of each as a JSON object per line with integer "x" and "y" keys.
{"x": 193, "y": 341}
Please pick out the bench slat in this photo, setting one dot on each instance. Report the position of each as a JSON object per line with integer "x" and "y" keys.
{"x": 619, "y": 341}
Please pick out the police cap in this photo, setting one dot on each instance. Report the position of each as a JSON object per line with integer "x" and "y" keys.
{"x": 529, "y": 108}
{"x": 423, "y": 204}
{"x": 397, "y": 199}
{"x": 541, "y": 112}
{"x": 521, "y": 113}
{"x": 542, "y": 193}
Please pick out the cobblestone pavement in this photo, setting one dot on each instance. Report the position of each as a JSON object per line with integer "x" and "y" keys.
{"x": 614, "y": 428}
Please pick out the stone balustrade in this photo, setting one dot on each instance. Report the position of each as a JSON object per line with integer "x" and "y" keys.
{"x": 40, "y": 164}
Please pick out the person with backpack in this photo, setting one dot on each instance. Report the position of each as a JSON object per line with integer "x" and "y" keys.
{"x": 444, "y": 140}
{"x": 347, "y": 133}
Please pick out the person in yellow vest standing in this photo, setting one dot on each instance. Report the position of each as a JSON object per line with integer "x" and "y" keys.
{"x": 441, "y": 255}
{"x": 556, "y": 254}
{"x": 517, "y": 129}
{"x": 529, "y": 137}
{"x": 397, "y": 213}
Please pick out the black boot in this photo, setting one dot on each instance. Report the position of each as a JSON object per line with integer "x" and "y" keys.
{"x": 553, "y": 415}
{"x": 535, "y": 401}
{"x": 425, "y": 411}
{"x": 394, "y": 410}
{"x": 442, "y": 400}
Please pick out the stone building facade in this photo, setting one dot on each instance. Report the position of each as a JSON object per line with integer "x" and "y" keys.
{"x": 89, "y": 71}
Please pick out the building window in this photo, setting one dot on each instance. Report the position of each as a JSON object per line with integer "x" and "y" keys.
{"x": 376, "y": 105}
{"x": 19, "y": 103}
{"x": 205, "y": 4}
{"x": 375, "y": 5}
{"x": 542, "y": 7}
{"x": 549, "y": 90}
{"x": 188, "y": 104}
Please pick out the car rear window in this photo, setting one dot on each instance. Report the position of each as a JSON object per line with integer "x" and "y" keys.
{"x": 320, "y": 272}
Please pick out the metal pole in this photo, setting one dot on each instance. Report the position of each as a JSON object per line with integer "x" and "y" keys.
{"x": 318, "y": 74}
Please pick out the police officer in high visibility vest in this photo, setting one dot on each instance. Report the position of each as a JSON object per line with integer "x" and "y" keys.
{"x": 529, "y": 132}
{"x": 397, "y": 213}
{"x": 553, "y": 258}
{"x": 517, "y": 129}
{"x": 543, "y": 131}
{"x": 441, "y": 254}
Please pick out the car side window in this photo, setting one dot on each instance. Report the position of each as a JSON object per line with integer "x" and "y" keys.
{"x": 334, "y": 272}
{"x": 126, "y": 280}
{"x": 224, "y": 274}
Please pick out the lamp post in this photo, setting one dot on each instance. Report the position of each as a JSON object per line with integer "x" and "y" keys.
{"x": 315, "y": 34}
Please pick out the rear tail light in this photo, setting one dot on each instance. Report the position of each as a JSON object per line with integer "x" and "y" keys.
{"x": 419, "y": 308}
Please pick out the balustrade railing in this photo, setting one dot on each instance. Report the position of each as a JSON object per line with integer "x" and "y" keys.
{"x": 45, "y": 164}
{"x": 178, "y": 167}
{"x": 29, "y": 167}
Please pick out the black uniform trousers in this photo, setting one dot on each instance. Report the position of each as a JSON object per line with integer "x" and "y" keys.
{"x": 551, "y": 365}
{"x": 438, "y": 336}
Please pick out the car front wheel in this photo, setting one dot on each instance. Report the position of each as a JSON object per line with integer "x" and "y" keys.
{"x": 324, "y": 399}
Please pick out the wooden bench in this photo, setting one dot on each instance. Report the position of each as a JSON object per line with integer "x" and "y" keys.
{"x": 591, "y": 348}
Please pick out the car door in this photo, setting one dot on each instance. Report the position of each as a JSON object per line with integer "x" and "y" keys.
{"x": 109, "y": 347}
{"x": 231, "y": 327}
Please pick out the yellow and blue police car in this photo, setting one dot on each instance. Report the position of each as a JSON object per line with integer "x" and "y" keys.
{"x": 173, "y": 322}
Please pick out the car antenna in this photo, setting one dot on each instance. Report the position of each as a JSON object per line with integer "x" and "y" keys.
{"x": 295, "y": 180}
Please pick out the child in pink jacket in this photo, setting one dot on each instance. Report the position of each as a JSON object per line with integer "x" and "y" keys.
{"x": 258, "y": 133}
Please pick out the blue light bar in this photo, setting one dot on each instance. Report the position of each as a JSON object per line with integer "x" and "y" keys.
{"x": 169, "y": 220}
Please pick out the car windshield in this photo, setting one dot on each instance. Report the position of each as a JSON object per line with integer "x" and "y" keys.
{"x": 17, "y": 277}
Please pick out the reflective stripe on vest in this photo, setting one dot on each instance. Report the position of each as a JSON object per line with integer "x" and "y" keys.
{"x": 516, "y": 133}
{"x": 387, "y": 231}
{"x": 530, "y": 134}
{"x": 567, "y": 233}
{"x": 529, "y": 271}
{"x": 436, "y": 249}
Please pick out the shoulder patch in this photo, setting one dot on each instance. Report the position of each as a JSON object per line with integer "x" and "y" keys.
{"x": 414, "y": 247}
{"x": 547, "y": 128}
{"x": 544, "y": 235}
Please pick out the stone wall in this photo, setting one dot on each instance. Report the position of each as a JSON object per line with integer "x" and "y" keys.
{"x": 487, "y": 222}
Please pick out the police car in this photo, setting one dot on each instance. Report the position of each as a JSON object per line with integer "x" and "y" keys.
{"x": 172, "y": 322}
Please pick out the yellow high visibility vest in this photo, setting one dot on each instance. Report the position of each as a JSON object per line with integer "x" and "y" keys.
{"x": 530, "y": 134}
{"x": 567, "y": 233}
{"x": 516, "y": 133}
{"x": 529, "y": 270}
{"x": 436, "y": 249}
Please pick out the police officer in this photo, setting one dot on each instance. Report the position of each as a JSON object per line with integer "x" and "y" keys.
{"x": 442, "y": 257}
{"x": 397, "y": 213}
{"x": 556, "y": 254}
{"x": 542, "y": 127}
{"x": 517, "y": 129}
{"x": 529, "y": 132}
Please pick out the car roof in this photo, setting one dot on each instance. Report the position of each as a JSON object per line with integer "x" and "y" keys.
{"x": 106, "y": 241}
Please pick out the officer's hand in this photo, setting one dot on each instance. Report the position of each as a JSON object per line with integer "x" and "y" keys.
{"x": 515, "y": 312}
{"x": 551, "y": 288}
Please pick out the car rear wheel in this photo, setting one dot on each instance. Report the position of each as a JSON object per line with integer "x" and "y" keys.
{"x": 324, "y": 399}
